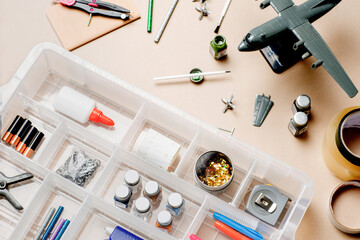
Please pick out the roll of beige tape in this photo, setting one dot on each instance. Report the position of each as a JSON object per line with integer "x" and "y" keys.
{"x": 336, "y": 153}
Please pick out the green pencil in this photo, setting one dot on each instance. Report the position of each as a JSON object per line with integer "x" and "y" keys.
{"x": 150, "y": 11}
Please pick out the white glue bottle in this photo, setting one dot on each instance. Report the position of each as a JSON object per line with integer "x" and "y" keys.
{"x": 79, "y": 107}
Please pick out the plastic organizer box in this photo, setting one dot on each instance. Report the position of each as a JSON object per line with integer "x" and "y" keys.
{"x": 30, "y": 94}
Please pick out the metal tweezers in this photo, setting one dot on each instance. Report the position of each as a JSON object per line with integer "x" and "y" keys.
{"x": 93, "y": 7}
{"x": 6, "y": 181}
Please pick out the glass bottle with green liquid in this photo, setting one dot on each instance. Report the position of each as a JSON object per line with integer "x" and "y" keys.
{"x": 218, "y": 47}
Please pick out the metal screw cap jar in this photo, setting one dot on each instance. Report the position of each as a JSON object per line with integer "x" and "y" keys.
{"x": 122, "y": 193}
{"x": 132, "y": 177}
{"x": 164, "y": 218}
{"x": 175, "y": 200}
{"x": 152, "y": 188}
{"x": 303, "y": 102}
{"x": 300, "y": 119}
{"x": 142, "y": 205}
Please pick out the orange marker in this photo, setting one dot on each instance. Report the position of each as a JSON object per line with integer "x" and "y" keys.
{"x": 229, "y": 231}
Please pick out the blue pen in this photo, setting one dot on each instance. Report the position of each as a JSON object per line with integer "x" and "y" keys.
{"x": 120, "y": 233}
{"x": 52, "y": 223}
{"x": 238, "y": 227}
{"x": 62, "y": 229}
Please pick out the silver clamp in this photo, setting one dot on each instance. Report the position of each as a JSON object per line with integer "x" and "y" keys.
{"x": 264, "y": 202}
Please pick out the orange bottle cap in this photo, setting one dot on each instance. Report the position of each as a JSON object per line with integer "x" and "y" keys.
{"x": 97, "y": 116}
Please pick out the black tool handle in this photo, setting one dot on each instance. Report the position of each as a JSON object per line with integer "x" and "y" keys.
{"x": 19, "y": 178}
{"x": 111, "y": 6}
{"x": 11, "y": 199}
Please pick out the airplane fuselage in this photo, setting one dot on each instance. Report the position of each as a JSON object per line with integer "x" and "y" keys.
{"x": 288, "y": 19}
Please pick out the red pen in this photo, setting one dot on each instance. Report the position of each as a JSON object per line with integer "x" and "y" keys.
{"x": 229, "y": 231}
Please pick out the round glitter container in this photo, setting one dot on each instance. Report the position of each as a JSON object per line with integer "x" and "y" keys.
{"x": 213, "y": 171}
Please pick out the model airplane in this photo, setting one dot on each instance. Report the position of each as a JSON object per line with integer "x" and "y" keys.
{"x": 298, "y": 19}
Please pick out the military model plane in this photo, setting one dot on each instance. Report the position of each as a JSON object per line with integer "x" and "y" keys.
{"x": 298, "y": 19}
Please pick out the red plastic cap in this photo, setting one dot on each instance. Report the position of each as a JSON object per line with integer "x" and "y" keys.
{"x": 67, "y": 2}
{"x": 97, "y": 116}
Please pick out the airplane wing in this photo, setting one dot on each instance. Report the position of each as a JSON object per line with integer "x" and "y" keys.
{"x": 280, "y": 5}
{"x": 316, "y": 45}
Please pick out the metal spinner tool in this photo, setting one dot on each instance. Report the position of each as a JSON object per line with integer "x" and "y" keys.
{"x": 228, "y": 103}
{"x": 203, "y": 11}
{"x": 6, "y": 181}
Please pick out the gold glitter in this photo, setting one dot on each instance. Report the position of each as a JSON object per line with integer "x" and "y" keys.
{"x": 217, "y": 172}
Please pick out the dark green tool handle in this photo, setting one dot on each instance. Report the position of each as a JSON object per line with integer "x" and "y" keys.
{"x": 111, "y": 14}
{"x": 111, "y": 6}
{"x": 104, "y": 5}
{"x": 5, "y": 193}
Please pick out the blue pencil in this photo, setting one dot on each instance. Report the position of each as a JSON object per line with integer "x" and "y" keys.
{"x": 62, "y": 229}
{"x": 238, "y": 227}
{"x": 52, "y": 223}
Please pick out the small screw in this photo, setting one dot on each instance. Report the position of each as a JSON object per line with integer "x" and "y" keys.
{"x": 229, "y": 131}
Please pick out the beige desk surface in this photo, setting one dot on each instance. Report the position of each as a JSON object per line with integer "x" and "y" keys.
{"x": 131, "y": 54}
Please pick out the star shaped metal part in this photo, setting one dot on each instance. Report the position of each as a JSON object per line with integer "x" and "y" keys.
{"x": 228, "y": 103}
{"x": 203, "y": 11}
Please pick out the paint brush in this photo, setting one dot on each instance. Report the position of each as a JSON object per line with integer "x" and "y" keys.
{"x": 191, "y": 75}
{"x": 226, "y": 7}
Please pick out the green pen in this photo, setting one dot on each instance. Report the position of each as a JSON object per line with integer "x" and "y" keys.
{"x": 150, "y": 11}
